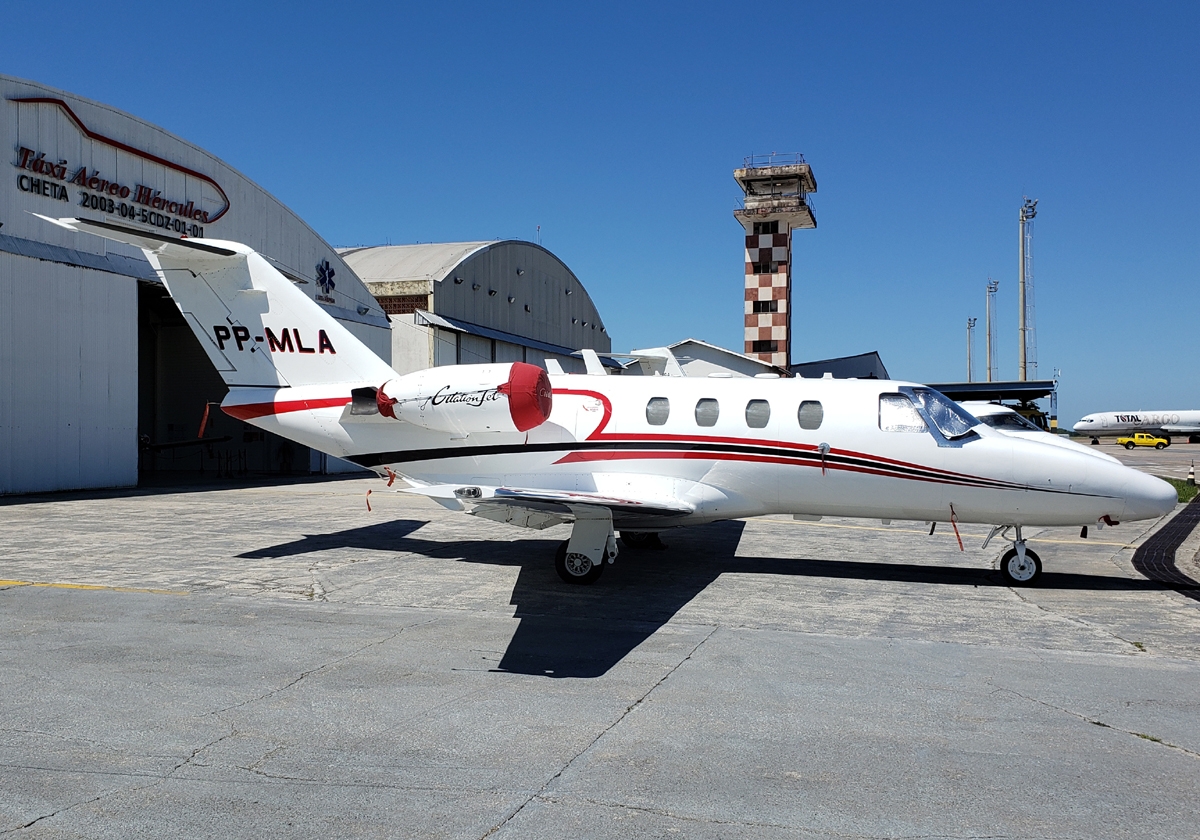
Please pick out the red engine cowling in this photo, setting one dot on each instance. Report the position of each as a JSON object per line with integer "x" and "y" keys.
{"x": 512, "y": 397}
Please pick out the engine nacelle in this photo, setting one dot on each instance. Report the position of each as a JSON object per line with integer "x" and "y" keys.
{"x": 512, "y": 397}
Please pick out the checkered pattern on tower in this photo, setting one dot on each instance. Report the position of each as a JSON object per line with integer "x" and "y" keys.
{"x": 768, "y": 284}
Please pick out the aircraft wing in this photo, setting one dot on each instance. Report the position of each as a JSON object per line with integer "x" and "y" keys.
{"x": 1181, "y": 429}
{"x": 538, "y": 509}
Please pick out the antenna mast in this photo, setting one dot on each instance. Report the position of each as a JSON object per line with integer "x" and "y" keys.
{"x": 1027, "y": 362}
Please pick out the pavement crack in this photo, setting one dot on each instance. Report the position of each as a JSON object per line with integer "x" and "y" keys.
{"x": 52, "y": 814}
{"x": 1096, "y": 722}
{"x": 157, "y": 780}
{"x": 318, "y": 669}
{"x": 538, "y": 794}
{"x": 1082, "y": 622}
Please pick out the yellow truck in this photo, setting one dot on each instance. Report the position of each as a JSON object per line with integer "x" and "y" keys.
{"x": 1143, "y": 439}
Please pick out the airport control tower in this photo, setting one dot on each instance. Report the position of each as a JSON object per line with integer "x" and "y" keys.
{"x": 776, "y": 188}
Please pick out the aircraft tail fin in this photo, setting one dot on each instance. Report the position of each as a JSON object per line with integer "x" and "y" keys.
{"x": 258, "y": 329}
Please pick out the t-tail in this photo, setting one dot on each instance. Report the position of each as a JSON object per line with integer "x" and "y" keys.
{"x": 257, "y": 328}
{"x": 294, "y": 370}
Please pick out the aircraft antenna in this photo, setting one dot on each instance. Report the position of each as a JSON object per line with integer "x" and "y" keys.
{"x": 1026, "y": 309}
{"x": 992, "y": 370}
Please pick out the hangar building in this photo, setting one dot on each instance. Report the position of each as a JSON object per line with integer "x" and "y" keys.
{"x": 478, "y": 302}
{"x": 98, "y": 370}
{"x": 102, "y": 380}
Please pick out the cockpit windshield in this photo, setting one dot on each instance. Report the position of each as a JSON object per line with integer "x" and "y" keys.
{"x": 951, "y": 419}
{"x": 1009, "y": 422}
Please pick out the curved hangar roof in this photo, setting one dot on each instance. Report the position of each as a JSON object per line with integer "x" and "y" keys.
{"x": 509, "y": 286}
{"x": 108, "y": 164}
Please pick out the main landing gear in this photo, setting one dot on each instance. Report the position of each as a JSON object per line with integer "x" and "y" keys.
{"x": 581, "y": 559}
{"x": 574, "y": 567}
{"x": 1020, "y": 566}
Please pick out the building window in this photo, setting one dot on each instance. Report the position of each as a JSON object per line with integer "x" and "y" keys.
{"x": 898, "y": 414}
{"x": 766, "y": 306}
{"x": 767, "y": 267}
{"x": 403, "y": 304}
{"x": 758, "y": 414}
{"x": 707, "y": 412}
{"x": 810, "y": 415}
{"x": 767, "y": 227}
{"x": 768, "y": 346}
{"x": 658, "y": 410}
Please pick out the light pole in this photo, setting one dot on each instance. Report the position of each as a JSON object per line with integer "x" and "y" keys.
{"x": 971, "y": 349}
{"x": 1028, "y": 211}
{"x": 992, "y": 286}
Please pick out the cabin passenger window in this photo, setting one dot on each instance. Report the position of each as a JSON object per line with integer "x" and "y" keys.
{"x": 758, "y": 414}
{"x": 707, "y": 412}
{"x": 810, "y": 415}
{"x": 898, "y": 414}
{"x": 658, "y": 410}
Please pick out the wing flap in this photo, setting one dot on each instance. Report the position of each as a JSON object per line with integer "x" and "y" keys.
{"x": 489, "y": 502}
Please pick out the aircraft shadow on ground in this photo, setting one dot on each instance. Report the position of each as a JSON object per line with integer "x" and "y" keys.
{"x": 583, "y": 631}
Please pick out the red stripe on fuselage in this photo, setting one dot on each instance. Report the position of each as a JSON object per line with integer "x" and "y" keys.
{"x": 671, "y": 455}
{"x": 599, "y": 434}
{"x": 252, "y": 410}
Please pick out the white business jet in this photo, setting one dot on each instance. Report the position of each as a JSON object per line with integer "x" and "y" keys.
{"x": 1164, "y": 423}
{"x": 633, "y": 454}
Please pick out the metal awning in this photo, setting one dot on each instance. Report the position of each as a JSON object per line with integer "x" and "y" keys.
{"x": 446, "y": 323}
{"x": 1025, "y": 391}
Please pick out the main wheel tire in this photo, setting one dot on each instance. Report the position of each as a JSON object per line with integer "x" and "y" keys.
{"x": 635, "y": 540}
{"x": 1130, "y": 445}
{"x": 642, "y": 540}
{"x": 576, "y": 568}
{"x": 1016, "y": 574}
{"x": 1160, "y": 445}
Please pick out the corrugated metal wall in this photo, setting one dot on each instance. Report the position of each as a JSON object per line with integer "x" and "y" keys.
{"x": 68, "y": 377}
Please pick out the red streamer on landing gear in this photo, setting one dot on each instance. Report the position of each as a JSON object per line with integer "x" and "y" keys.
{"x": 954, "y": 522}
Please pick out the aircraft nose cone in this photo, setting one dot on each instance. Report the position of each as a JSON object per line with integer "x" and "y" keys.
{"x": 1147, "y": 497}
{"x": 1079, "y": 427}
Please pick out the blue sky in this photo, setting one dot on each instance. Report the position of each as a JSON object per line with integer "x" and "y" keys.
{"x": 616, "y": 128}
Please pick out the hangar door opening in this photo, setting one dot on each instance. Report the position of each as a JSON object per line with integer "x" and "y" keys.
{"x": 176, "y": 382}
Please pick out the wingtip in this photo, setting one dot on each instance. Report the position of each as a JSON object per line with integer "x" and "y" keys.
{"x": 68, "y": 222}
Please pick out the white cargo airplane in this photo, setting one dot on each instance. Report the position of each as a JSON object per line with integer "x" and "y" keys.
{"x": 638, "y": 454}
{"x": 1163, "y": 423}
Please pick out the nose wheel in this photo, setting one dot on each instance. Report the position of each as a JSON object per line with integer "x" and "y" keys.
{"x": 1020, "y": 566}
{"x": 1018, "y": 570}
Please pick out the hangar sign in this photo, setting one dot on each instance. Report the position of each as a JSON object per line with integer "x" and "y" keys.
{"x": 57, "y": 178}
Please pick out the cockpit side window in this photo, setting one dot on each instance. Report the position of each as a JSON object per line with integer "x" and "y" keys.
{"x": 898, "y": 414}
{"x": 1009, "y": 421}
{"x": 951, "y": 419}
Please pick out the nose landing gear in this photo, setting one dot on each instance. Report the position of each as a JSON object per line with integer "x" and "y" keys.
{"x": 1020, "y": 566}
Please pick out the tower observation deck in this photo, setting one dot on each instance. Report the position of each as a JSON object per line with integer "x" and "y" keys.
{"x": 775, "y": 203}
